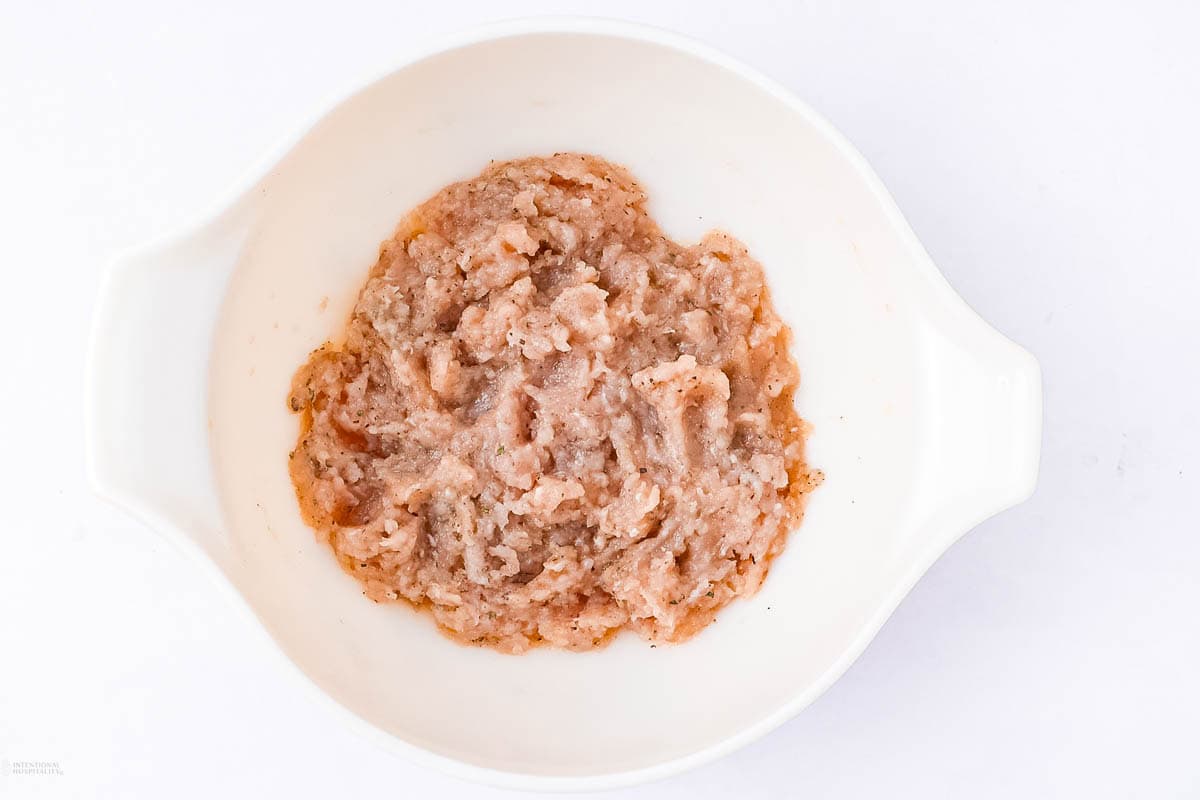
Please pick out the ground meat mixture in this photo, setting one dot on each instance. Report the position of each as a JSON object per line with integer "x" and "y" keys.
{"x": 548, "y": 422}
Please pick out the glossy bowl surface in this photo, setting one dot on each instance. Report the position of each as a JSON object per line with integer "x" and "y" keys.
{"x": 926, "y": 421}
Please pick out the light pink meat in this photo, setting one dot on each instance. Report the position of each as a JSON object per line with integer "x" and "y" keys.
{"x": 549, "y": 422}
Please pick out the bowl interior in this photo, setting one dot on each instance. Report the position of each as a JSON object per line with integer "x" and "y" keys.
{"x": 714, "y": 149}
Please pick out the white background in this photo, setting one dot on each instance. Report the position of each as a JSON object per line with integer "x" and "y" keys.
{"x": 1045, "y": 152}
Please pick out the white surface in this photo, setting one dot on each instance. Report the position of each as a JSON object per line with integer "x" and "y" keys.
{"x": 1045, "y": 157}
{"x": 936, "y": 427}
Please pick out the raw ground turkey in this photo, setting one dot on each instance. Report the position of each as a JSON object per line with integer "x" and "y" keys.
{"x": 548, "y": 421}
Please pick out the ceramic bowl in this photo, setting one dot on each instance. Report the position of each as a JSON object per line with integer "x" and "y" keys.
{"x": 925, "y": 420}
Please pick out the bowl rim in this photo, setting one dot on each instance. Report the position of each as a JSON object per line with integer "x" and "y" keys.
{"x": 262, "y": 167}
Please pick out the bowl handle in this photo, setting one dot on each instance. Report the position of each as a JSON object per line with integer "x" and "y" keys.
{"x": 147, "y": 383}
{"x": 988, "y": 400}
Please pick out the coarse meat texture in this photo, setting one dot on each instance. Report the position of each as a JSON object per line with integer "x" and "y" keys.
{"x": 548, "y": 422}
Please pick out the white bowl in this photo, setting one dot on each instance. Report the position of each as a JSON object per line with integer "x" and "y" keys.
{"x": 926, "y": 421}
